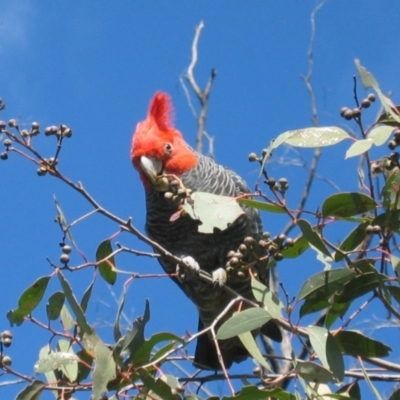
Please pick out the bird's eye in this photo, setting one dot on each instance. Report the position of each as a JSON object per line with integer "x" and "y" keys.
{"x": 168, "y": 148}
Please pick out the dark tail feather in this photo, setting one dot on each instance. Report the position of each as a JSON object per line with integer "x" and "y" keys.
{"x": 206, "y": 356}
{"x": 272, "y": 330}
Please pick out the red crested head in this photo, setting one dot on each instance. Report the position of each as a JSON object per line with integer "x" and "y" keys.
{"x": 157, "y": 147}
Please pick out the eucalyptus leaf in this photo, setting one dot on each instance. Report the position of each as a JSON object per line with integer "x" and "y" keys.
{"x": 328, "y": 351}
{"x": 317, "y": 136}
{"x": 347, "y": 204}
{"x": 359, "y": 147}
{"x": 213, "y": 211}
{"x": 380, "y": 134}
{"x": 244, "y": 321}
{"x": 251, "y": 346}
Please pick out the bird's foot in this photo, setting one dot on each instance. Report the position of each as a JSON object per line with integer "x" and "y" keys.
{"x": 219, "y": 277}
{"x": 191, "y": 270}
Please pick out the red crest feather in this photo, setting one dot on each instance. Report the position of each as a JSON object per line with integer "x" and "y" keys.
{"x": 161, "y": 110}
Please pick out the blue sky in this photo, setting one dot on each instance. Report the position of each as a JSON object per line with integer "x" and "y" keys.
{"x": 95, "y": 65}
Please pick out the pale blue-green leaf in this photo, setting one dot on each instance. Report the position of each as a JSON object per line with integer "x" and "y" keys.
{"x": 214, "y": 211}
{"x": 371, "y": 386}
{"x": 313, "y": 237}
{"x": 243, "y": 321}
{"x": 313, "y": 372}
{"x": 359, "y": 147}
{"x": 316, "y": 137}
{"x": 327, "y": 350}
{"x": 66, "y": 318}
{"x": 396, "y": 265}
{"x": 70, "y": 370}
{"x": 282, "y": 138}
{"x": 264, "y": 295}
{"x": 248, "y": 341}
{"x": 50, "y": 375}
{"x": 54, "y": 360}
{"x": 104, "y": 369}
{"x": 380, "y": 134}
{"x": 388, "y": 105}
{"x": 367, "y": 79}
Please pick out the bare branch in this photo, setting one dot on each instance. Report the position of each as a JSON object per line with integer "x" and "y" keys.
{"x": 202, "y": 94}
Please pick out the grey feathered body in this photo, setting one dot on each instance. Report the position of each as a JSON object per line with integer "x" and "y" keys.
{"x": 182, "y": 238}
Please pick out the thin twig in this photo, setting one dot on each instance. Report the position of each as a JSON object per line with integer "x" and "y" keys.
{"x": 202, "y": 94}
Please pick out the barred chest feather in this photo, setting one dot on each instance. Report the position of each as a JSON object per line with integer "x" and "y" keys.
{"x": 181, "y": 237}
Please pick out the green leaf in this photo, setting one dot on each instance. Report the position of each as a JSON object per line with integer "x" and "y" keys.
{"x": 262, "y": 205}
{"x": 394, "y": 291}
{"x": 143, "y": 354}
{"x": 134, "y": 339}
{"x": 327, "y": 350}
{"x": 347, "y": 205}
{"x": 32, "y": 392}
{"x": 336, "y": 310}
{"x": 388, "y": 220}
{"x": 356, "y": 344}
{"x": 28, "y": 301}
{"x": 313, "y": 372}
{"x": 359, "y": 147}
{"x": 351, "y": 390}
{"x": 313, "y": 237}
{"x": 265, "y": 296}
{"x": 213, "y": 211}
{"x": 157, "y": 386}
{"x": 104, "y": 369}
{"x": 117, "y": 329}
{"x": 326, "y": 282}
{"x": 360, "y": 286}
{"x": 244, "y": 321}
{"x": 300, "y": 245}
{"x": 62, "y": 220}
{"x": 390, "y": 191}
{"x": 86, "y": 296}
{"x": 314, "y": 304}
{"x": 395, "y": 261}
{"x": 387, "y": 119}
{"x": 106, "y": 267}
{"x": 380, "y": 134}
{"x": 395, "y": 395}
{"x": 76, "y": 308}
{"x": 353, "y": 240}
{"x": 254, "y": 393}
{"x": 54, "y": 305}
{"x": 251, "y": 346}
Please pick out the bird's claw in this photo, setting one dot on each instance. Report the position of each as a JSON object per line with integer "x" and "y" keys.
{"x": 191, "y": 270}
{"x": 219, "y": 277}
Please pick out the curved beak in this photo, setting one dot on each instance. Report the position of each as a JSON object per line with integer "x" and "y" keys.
{"x": 153, "y": 169}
